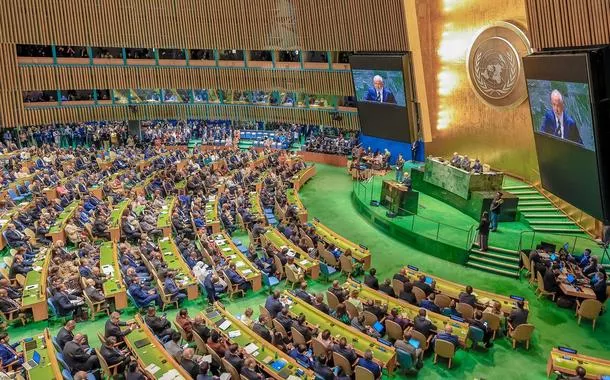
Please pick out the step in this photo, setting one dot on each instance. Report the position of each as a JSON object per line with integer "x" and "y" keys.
{"x": 533, "y": 197}
{"x": 535, "y": 203}
{"x": 498, "y": 256}
{"x": 503, "y": 272}
{"x": 524, "y": 192}
{"x": 499, "y": 249}
{"x": 559, "y": 215}
{"x": 551, "y": 222}
{"x": 517, "y": 187}
{"x": 491, "y": 261}
{"x": 561, "y": 230}
{"x": 535, "y": 209}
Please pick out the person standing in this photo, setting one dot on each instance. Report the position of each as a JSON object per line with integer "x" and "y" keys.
{"x": 496, "y": 206}
{"x": 400, "y": 162}
{"x": 483, "y": 229}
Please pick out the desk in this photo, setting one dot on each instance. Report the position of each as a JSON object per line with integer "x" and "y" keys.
{"x": 566, "y": 363}
{"x": 255, "y": 208}
{"x": 359, "y": 253}
{"x": 265, "y": 350}
{"x": 115, "y": 220}
{"x": 109, "y": 264}
{"x": 232, "y": 253}
{"x": 303, "y": 261}
{"x": 181, "y": 187}
{"x": 258, "y": 184}
{"x": 292, "y": 198}
{"x": 299, "y": 179}
{"x": 580, "y": 289}
{"x": 48, "y": 369}
{"x": 56, "y": 232}
{"x": 211, "y": 214}
{"x": 460, "y": 329}
{"x": 453, "y": 290}
{"x": 5, "y": 219}
{"x": 36, "y": 297}
{"x": 384, "y": 355}
{"x": 152, "y": 353}
{"x": 458, "y": 181}
{"x": 173, "y": 258}
{"x": 164, "y": 219}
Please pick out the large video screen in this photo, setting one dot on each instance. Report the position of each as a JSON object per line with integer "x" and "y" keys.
{"x": 562, "y": 110}
{"x": 564, "y": 128}
{"x": 379, "y": 85}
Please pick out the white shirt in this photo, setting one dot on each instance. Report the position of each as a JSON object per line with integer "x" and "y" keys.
{"x": 380, "y": 94}
{"x": 559, "y": 121}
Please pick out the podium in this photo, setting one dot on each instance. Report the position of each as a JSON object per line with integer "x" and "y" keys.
{"x": 459, "y": 181}
{"x": 397, "y": 198}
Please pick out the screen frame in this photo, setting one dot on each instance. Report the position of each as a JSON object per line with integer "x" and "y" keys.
{"x": 371, "y": 61}
{"x": 537, "y": 72}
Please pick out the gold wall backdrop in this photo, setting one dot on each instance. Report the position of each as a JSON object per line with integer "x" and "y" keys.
{"x": 460, "y": 121}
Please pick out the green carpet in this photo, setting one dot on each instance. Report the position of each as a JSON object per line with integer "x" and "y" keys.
{"x": 327, "y": 197}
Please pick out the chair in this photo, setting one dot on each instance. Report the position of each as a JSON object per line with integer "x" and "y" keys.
{"x": 232, "y": 289}
{"x": 332, "y": 300}
{"x": 541, "y": 291}
{"x": 327, "y": 271}
{"x": 297, "y": 337}
{"x": 444, "y": 349}
{"x": 279, "y": 266}
{"x": 229, "y": 368}
{"x": 521, "y": 333}
{"x": 166, "y": 299}
{"x": 405, "y": 360}
{"x": 398, "y": 286}
{"x": 269, "y": 281}
{"x": 200, "y": 344}
{"x": 424, "y": 342}
{"x": 442, "y": 301}
{"x": 20, "y": 279}
{"x": 476, "y": 335}
{"x": 393, "y": 329}
{"x": 292, "y": 278}
{"x": 369, "y": 318}
{"x": 527, "y": 265}
{"x": 343, "y": 363}
{"x": 363, "y": 373}
{"x": 14, "y": 196}
{"x": 346, "y": 265}
{"x": 328, "y": 257}
{"x": 96, "y": 307}
{"x": 109, "y": 371}
{"x": 280, "y": 328}
{"x": 465, "y": 309}
{"x": 419, "y": 294}
{"x": 318, "y": 348}
{"x": 183, "y": 333}
{"x": 493, "y": 323}
{"x": 351, "y": 310}
{"x": 589, "y": 309}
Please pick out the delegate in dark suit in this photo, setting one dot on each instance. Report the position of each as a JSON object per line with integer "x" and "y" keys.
{"x": 382, "y": 96}
{"x": 570, "y": 131}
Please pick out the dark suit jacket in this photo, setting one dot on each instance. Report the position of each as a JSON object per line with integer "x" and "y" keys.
{"x": 388, "y": 97}
{"x": 371, "y": 282}
{"x": 94, "y": 294}
{"x": 75, "y": 356}
{"x": 262, "y": 331}
{"x": 64, "y": 336}
{"x": 191, "y": 367}
{"x": 423, "y": 325}
{"x": 63, "y": 304}
{"x": 111, "y": 355}
{"x": 113, "y": 330}
{"x": 570, "y": 131}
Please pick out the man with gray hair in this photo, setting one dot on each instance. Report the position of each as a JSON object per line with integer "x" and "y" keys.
{"x": 378, "y": 93}
{"x": 557, "y": 122}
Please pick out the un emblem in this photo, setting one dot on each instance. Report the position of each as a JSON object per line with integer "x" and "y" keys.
{"x": 494, "y": 64}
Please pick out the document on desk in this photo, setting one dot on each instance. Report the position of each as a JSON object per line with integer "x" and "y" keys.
{"x": 246, "y": 272}
{"x": 304, "y": 262}
{"x": 225, "y": 325}
{"x": 240, "y": 264}
{"x": 234, "y": 333}
{"x": 251, "y": 348}
{"x": 152, "y": 368}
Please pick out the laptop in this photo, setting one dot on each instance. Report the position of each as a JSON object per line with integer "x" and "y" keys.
{"x": 553, "y": 257}
{"x": 570, "y": 278}
{"x": 428, "y": 280}
{"x": 414, "y": 343}
{"x": 141, "y": 343}
{"x": 32, "y": 362}
{"x": 378, "y": 327}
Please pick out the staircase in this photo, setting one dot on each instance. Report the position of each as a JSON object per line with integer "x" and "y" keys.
{"x": 539, "y": 213}
{"x": 495, "y": 260}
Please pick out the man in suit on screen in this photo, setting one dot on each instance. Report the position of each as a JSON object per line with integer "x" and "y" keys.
{"x": 378, "y": 93}
{"x": 558, "y": 123}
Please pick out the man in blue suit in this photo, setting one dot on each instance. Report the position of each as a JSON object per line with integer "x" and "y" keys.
{"x": 558, "y": 123}
{"x": 448, "y": 336}
{"x": 141, "y": 296}
{"x": 8, "y": 353}
{"x": 368, "y": 363}
{"x": 378, "y": 93}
